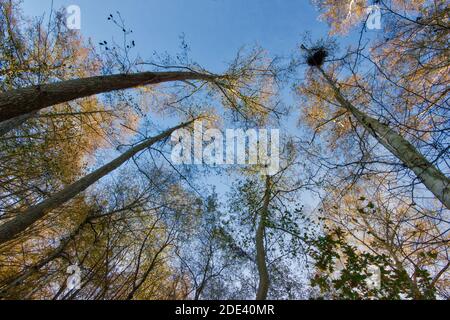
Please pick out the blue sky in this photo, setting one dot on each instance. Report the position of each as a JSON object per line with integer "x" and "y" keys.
{"x": 214, "y": 29}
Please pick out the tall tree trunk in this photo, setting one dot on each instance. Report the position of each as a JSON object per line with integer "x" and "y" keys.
{"x": 22, "y": 101}
{"x": 11, "y": 124}
{"x": 430, "y": 175}
{"x": 264, "y": 280}
{"x": 21, "y": 222}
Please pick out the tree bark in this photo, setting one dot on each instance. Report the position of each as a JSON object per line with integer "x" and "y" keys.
{"x": 436, "y": 181}
{"x": 264, "y": 280}
{"x": 22, "y": 101}
{"x": 20, "y": 223}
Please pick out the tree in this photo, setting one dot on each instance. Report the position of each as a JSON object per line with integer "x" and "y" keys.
{"x": 207, "y": 273}
{"x": 396, "y": 86}
{"x": 267, "y": 223}
{"x": 35, "y": 51}
{"x": 429, "y": 174}
{"x": 370, "y": 227}
{"x": 362, "y": 187}
{"x": 264, "y": 280}
{"x": 117, "y": 239}
{"x": 20, "y": 223}
{"x": 20, "y": 102}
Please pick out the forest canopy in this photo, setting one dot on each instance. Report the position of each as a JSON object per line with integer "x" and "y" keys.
{"x": 93, "y": 205}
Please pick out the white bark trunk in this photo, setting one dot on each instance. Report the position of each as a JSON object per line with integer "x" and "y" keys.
{"x": 430, "y": 175}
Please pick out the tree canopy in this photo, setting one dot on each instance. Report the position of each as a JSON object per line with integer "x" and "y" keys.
{"x": 93, "y": 205}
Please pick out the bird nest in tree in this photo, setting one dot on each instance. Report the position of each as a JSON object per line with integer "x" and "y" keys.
{"x": 316, "y": 57}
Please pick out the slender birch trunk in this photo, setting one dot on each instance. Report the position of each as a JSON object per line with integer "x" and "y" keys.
{"x": 436, "y": 181}
{"x": 21, "y": 222}
{"x": 22, "y": 101}
{"x": 264, "y": 280}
